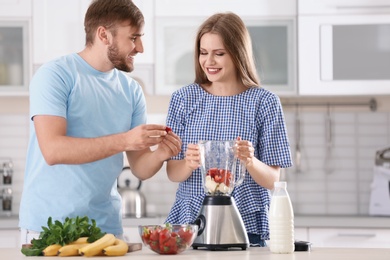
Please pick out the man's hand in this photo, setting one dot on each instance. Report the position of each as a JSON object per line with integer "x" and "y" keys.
{"x": 170, "y": 146}
{"x": 144, "y": 136}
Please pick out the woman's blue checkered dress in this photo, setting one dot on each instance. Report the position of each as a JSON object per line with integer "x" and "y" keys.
{"x": 255, "y": 115}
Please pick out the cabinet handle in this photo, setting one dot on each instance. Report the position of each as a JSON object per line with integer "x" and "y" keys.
{"x": 361, "y": 6}
{"x": 356, "y": 235}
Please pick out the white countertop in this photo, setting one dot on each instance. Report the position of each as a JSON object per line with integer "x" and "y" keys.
{"x": 251, "y": 253}
{"x": 299, "y": 221}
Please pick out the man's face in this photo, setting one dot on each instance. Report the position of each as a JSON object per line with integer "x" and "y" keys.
{"x": 125, "y": 45}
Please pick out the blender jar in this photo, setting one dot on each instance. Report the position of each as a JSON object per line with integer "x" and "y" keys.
{"x": 221, "y": 169}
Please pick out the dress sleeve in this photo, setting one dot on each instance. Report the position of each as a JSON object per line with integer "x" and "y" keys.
{"x": 274, "y": 147}
{"x": 176, "y": 119}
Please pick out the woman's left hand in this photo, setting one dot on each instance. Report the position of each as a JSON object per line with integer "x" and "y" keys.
{"x": 245, "y": 151}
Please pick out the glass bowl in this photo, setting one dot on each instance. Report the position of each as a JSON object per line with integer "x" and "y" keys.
{"x": 168, "y": 239}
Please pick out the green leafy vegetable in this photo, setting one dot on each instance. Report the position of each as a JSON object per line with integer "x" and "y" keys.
{"x": 31, "y": 252}
{"x": 63, "y": 234}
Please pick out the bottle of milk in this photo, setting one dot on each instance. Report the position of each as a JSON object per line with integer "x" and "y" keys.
{"x": 281, "y": 220}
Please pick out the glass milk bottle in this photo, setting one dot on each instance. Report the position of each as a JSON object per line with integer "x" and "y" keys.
{"x": 281, "y": 220}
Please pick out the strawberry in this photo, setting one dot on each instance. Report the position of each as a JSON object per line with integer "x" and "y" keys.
{"x": 164, "y": 235}
{"x": 186, "y": 235}
{"x": 169, "y": 246}
{"x": 146, "y": 235}
{"x": 154, "y": 235}
{"x": 218, "y": 178}
{"x": 212, "y": 172}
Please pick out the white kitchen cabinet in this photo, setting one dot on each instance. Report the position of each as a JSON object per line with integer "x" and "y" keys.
{"x": 58, "y": 28}
{"x": 344, "y": 47}
{"x": 9, "y": 238}
{"x": 144, "y": 62}
{"x": 301, "y": 234}
{"x": 147, "y": 9}
{"x": 271, "y": 24}
{"x": 130, "y": 226}
{"x": 15, "y": 66}
{"x": 15, "y": 8}
{"x": 310, "y": 7}
{"x": 177, "y": 8}
{"x": 131, "y": 235}
{"x": 350, "y": 237}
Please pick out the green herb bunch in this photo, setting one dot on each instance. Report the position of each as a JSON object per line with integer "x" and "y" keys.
{"x": 63, "y": 234}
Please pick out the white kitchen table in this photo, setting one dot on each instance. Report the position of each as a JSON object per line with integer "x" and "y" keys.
{"x": 320, "y": 253}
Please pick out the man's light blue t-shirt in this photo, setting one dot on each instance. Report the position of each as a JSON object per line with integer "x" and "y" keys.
{"x": 94, "y": 104}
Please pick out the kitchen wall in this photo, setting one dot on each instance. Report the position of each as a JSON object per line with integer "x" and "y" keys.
{"x": 333, "y": 180}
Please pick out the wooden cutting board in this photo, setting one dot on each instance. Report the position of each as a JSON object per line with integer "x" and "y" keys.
{"x": 134, "y": 247}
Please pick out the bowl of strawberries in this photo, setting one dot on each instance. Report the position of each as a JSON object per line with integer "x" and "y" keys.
{"x": 168, "y": 239}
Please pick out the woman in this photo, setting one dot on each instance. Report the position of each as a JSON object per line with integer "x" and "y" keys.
{"x": 224, "y": 103}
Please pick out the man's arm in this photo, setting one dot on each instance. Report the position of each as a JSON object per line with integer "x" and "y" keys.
{"x": 58, "y": 148}
{"x": 146, "y": 163}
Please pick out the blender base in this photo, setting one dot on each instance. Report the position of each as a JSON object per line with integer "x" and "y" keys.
{"x": 220, "y": 225}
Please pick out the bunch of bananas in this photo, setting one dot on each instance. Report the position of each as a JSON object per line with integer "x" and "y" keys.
{"x": 108, "y": 245}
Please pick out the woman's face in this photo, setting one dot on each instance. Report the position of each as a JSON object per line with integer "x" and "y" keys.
{"x": 215, "y": 61}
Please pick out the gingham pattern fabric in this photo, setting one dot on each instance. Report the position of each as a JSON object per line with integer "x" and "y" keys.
{"x": 255, "y": 115}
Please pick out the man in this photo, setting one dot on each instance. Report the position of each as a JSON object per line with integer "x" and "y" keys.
{"x": 85, "y": 111}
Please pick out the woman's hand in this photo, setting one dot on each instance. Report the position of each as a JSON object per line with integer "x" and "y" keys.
{"x": 245, "y": 151}
{"x": 192, "y": 157}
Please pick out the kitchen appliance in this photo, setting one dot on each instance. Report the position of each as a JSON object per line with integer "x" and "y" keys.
{"x": 380, "y": 186}
{"x": 220, "y": 223}
{"x": 133, "y": 201}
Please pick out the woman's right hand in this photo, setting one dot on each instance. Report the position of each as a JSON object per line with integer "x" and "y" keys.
{"x": 192, "y": 157}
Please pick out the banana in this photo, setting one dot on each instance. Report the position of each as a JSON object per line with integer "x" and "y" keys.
{"x": 71, "y": 249}
{"x": 97, "y": 246}
{"x": 81, "y": 240}
{"x": 119, "y": 248}
{"x": 51, "y": 250}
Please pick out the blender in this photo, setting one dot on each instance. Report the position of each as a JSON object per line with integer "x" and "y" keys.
{"x": 220, "y": 224}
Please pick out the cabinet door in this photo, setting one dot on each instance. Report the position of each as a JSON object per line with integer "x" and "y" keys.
{"x": 147, "y": 9}
{"x": 366, "y": 238}
{"x": 301, "y": 234}
{"x": 14, "y": 57}
{"x": 9, "y": 238}
{"x": 343, "y": 7}
{"x": 131, "y": 235}
{"x": 58, "y": 28}
{"x": 174, "y": 8}
{"x": 273, "y": 42}
{"x": 15, "y": 8}
{"x": 344, "y": 55}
